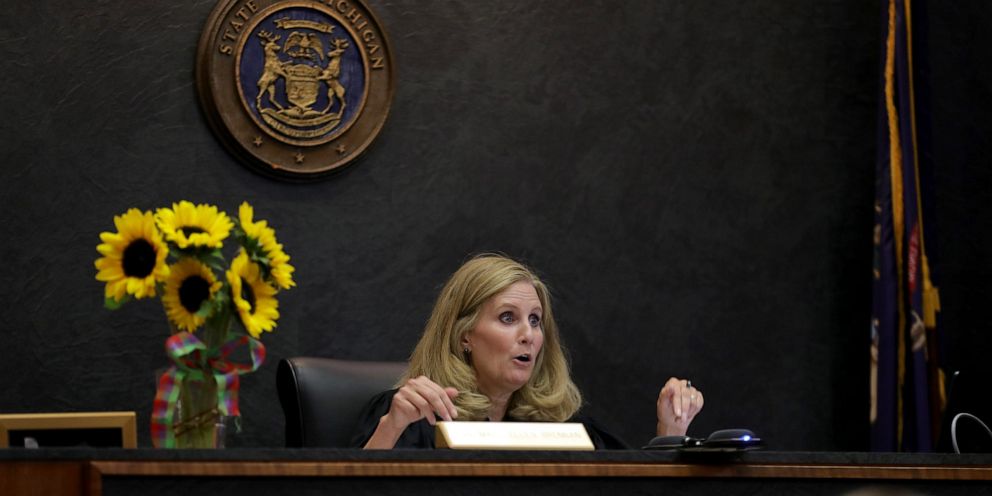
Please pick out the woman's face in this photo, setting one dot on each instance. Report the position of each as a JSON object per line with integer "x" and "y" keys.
{"x": 506, "y": 340}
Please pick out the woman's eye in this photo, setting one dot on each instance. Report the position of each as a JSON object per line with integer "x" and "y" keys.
{"x": 506, "y": 317}
{"x": 535, "y": 320}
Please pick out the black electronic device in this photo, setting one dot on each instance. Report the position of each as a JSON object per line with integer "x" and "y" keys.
{"x": 723, "y": 440}
{"x": 673, "y": 442}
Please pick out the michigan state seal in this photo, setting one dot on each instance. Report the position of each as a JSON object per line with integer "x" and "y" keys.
{"x": 297, "y": 89}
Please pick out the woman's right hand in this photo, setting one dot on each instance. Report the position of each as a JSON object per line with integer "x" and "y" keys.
{"x": 419, "y": 398}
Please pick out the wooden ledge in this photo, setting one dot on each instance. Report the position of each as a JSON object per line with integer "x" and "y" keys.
{"x": 536, "y": 469}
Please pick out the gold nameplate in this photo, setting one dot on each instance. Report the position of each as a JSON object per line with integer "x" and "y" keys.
{"x": 512, "y": 436}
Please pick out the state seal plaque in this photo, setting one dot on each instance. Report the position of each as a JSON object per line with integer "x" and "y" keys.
{"x": 297, "y": 89}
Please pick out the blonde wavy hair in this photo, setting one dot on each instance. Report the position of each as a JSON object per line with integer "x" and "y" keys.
{"x": 549, "y": 395}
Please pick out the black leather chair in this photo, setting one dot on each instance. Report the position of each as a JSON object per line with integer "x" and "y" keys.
{"x": 323, "y": 397}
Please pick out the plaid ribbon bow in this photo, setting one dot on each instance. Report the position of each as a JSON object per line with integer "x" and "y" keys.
{"x": 192, "y": 357}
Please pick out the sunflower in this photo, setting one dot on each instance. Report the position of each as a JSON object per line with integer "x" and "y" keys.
{"x": 279, "y": 267}
{"x": 189, "y": 285}
{"x": 252, "y": 296}
{"x": 245, "y": 215}
{"x": 189, "y": 225}
{"x": 263, "y": 237}
{"x": 133, "y": 258}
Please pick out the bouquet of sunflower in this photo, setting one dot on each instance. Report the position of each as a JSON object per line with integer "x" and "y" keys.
{"x": 201, "y": 296}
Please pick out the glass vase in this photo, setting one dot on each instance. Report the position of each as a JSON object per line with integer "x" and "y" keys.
{"x": 198, "y": 423}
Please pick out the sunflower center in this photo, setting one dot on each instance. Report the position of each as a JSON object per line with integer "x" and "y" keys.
{"x": 248, "y": 294}
{"x": 193, "y": 292}
{"x": 139, "y": 259}
{"x": 190, "y": 230}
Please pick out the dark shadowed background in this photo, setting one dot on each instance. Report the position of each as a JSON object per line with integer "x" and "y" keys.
{"x": 694, "y": 180}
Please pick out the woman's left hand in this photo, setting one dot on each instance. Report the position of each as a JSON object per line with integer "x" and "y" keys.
{"x": 678, "y": 404}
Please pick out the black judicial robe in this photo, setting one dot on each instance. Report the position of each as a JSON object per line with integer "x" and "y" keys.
{"x": 420, "y": 434}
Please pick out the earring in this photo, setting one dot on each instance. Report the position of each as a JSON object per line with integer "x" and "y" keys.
{"x": 467, "y": 351}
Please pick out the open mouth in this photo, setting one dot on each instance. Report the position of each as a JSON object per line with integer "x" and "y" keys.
{"x": 522, "y": 358}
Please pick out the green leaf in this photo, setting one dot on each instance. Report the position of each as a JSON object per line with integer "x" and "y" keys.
{"x": 112, "y": 304}
{"x": 221, "y": 300}
{"x": 206, "y": 309}
{"x": 217, "y": 266}
{"x": 180, "y": 253}
{"x": 215, "y": 260}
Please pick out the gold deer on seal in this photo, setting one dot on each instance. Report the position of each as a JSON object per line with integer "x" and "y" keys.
{"x": 330, "y": 74}
{"x": 272, "y": 71}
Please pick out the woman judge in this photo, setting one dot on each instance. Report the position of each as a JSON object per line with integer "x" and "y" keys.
{"x": 491, "y": 351}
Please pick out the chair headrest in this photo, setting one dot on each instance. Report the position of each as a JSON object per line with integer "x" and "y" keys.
{"x": 322, "y": 398}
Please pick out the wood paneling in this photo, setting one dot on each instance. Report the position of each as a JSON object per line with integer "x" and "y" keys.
{"x": 49, "y": 478}
{"x": 87, "y": 477}
{"x": 539, "y": 469}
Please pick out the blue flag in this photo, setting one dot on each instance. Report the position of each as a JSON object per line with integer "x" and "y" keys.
{"x": 907, "y": 383}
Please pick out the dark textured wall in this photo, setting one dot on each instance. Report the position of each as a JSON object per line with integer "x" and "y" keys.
{"x": 958, "y": 78}
{"x": 694, "y": 179}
